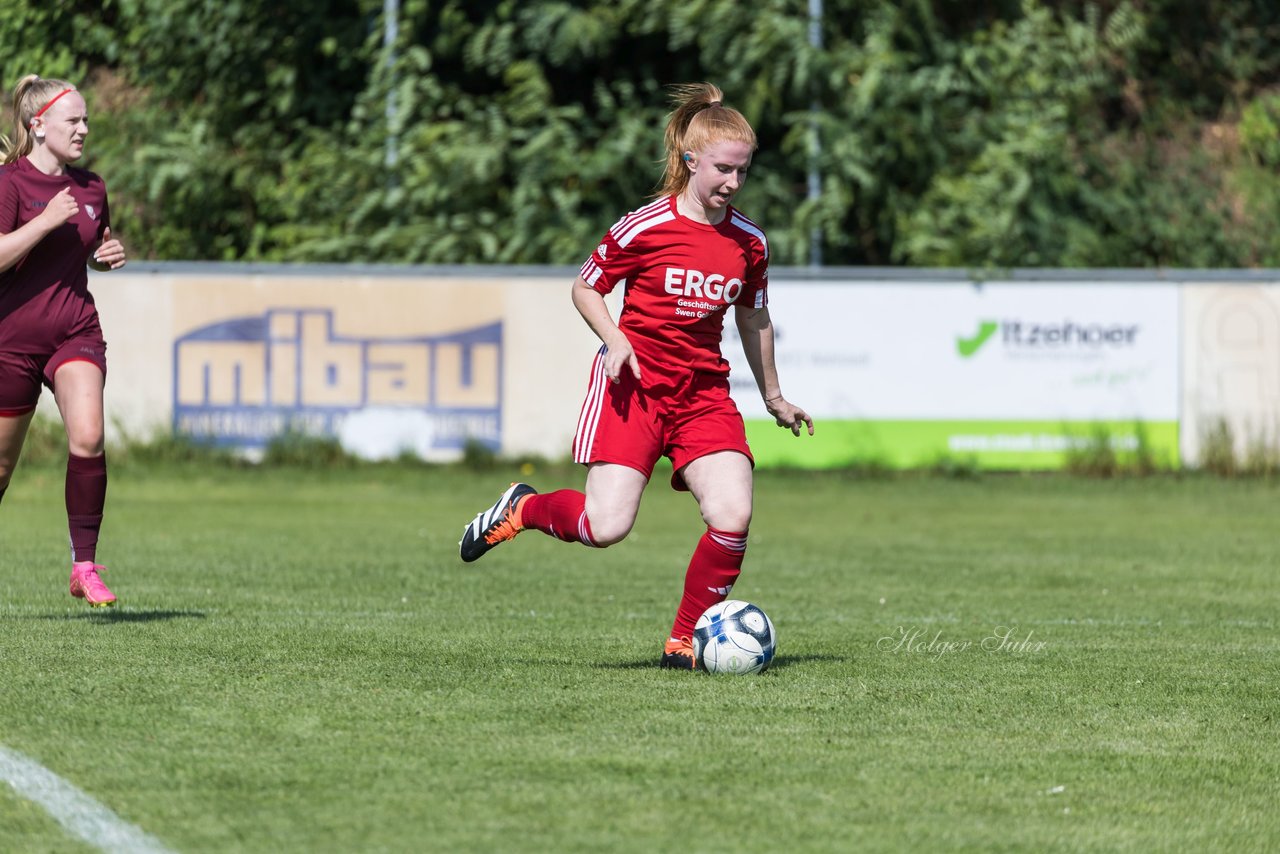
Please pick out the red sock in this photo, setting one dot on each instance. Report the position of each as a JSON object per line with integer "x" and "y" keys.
{"x": 86, "y": 493}
{"x": 715, "y": 566}
{"x": 562, "y": 514}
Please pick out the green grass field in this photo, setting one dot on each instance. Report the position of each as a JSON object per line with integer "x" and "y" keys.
{"x": 300, "y": 662}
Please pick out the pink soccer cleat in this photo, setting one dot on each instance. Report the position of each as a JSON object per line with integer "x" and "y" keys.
{"x": 86, "y": 585}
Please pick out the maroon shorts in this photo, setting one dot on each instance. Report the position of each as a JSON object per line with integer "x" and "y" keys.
{"x": 21, "y": 374}
{"x": 626, "y": 424}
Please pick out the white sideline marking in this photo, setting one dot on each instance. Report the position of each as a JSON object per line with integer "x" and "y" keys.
{"x": 79, "y": 814}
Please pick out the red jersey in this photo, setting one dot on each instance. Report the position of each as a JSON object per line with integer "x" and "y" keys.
{"x": 44, "y": 297}
{"x": 680, "y": 276}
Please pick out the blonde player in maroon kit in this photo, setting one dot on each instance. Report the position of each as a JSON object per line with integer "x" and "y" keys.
{"x": 54, "y": 221}
{"x": 659, "y": 386}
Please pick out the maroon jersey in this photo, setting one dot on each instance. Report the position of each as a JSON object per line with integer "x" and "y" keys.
{"x": 680, "y": 276}
{"x": 44, "y": 297}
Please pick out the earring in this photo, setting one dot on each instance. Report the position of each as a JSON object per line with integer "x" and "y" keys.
{"x": 39, "y": 134}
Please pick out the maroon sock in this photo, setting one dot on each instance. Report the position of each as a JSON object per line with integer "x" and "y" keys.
{"x": 713, "y": 569}
{"x": 86, "y": 494}
{"x": 562, "y": 514}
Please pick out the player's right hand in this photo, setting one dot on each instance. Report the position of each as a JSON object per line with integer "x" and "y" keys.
{"x": 618, "y": 354}
{"x": 60, "y": 209}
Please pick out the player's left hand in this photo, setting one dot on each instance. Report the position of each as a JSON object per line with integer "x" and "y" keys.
{"x": 787, "y": 414}
{"x": 110, "y": 253}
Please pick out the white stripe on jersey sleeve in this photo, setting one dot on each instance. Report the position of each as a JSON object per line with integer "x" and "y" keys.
{"x": 591, "y": 272}
{"x": 642, "y": 225}
{"x": 639, "y": 213}
{"x": 751, "y": 228}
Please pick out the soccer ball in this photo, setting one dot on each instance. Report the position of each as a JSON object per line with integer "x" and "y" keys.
{"x": 734, "y": 637}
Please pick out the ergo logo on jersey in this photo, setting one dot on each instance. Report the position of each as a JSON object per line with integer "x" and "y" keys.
{"x": 695, "y": 283}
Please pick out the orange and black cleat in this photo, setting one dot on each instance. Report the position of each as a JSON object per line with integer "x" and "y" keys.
{"x": 499, "y": 523}
{"x": 678, "y": 655}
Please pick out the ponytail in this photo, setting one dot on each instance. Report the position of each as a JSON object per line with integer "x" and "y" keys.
{"x": 31, "y": 96}
{"x": 698, "y": 121}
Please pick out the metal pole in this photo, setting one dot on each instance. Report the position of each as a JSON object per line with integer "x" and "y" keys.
{"x": 815, "y": 142}
{"x": 390, "y": 32}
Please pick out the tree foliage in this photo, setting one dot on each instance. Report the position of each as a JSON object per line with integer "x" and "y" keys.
{"x": 995, "y": 134}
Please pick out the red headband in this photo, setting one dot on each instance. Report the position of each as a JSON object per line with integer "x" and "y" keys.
{"x": 40, "y": 112}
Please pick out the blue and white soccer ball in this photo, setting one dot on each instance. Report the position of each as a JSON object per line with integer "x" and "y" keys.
{"x": 734, "y": 637}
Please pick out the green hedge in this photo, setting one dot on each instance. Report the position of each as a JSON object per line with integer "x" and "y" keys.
{"x": 975, "y": 135}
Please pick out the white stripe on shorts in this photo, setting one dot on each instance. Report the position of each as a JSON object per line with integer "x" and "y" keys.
{"x": 585, "y": 436}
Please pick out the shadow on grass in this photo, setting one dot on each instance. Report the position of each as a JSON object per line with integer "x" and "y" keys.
{"x": 112, "y": 615}
{"x": 780, "y": 662}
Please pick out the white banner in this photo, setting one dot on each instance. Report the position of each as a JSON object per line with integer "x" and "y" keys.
{"x": 927, "y": 350}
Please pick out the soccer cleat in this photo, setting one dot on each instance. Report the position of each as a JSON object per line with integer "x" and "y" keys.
{"x": 499, "y": 523}
{"x": 678, "y": 655}
{"x": 86, "y": 585}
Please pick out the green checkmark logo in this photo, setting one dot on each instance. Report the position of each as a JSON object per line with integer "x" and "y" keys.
{"x": 968, "y": 346}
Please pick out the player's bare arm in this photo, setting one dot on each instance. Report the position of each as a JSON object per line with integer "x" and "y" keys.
{"x": 591, "y": 306}
{"x": 755, "y": 328}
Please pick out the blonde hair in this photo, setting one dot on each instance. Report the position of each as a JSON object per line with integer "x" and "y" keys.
{"x": 30, "y": 96}
{"x": 698, "y": 121}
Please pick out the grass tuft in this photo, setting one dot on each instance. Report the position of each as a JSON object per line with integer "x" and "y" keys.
{"x": 303, "y": 450}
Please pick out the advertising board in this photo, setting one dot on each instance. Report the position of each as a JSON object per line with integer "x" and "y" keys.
{"x": 1004, "y": 374}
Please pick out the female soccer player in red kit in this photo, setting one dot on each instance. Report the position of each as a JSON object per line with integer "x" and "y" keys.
{"x": 53, "y": 221}
{"x": 659, "y": 385}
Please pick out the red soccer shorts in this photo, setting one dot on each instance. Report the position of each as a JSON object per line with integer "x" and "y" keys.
{"x": 21, "y": 374}
{"x": 629, "y": 425}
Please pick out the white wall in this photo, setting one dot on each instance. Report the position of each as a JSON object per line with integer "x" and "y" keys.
{"x": 398, "y": 356}
{"x": 1230, "y": 363}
